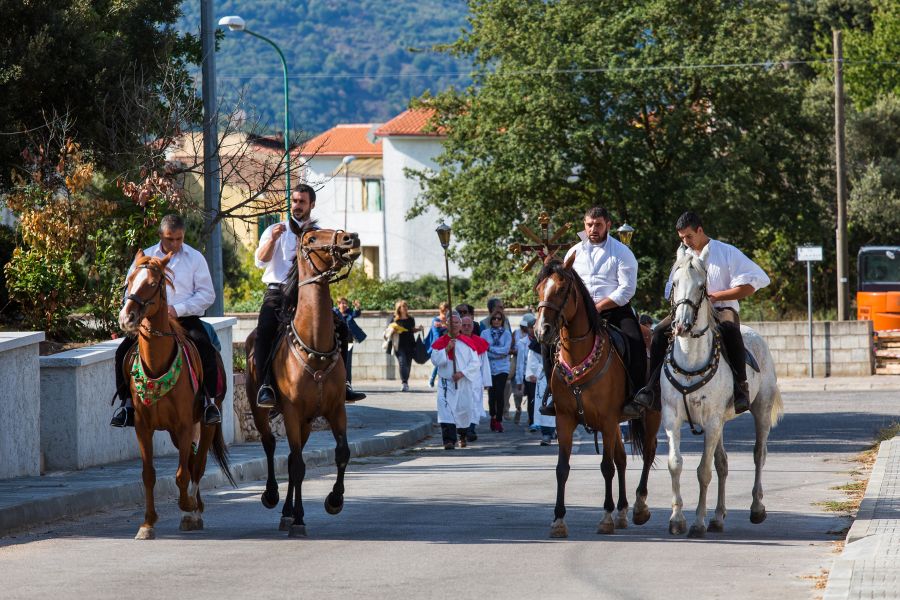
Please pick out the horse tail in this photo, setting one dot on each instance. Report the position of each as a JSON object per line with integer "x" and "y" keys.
{"x": 220, "y": 452}
{"x": 777, "y": 409}
{"x": 638, "y": 436}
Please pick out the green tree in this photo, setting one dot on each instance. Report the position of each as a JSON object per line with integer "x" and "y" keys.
{"x": 86, "y": 60}
{"x": 568, "y": 87}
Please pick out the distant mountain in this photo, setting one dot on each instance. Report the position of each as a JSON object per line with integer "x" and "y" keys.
{"x": 349, "y": 61}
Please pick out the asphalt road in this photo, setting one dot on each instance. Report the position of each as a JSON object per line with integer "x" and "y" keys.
{"x": 428, "y": 523}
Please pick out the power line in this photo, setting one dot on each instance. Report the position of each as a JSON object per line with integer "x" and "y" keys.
{"x": 765, "y": 64}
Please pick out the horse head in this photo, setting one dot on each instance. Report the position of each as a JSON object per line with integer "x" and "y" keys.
{"x": 689, "y": 291}
{"x": 145, "y": 291}
{"x": 555, "y": 283}
{"x": 327, "y": 251}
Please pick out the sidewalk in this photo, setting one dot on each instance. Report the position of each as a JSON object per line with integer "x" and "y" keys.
{"x": 839, "y": 384}
{"x": 373, "y": 428}
{"x": 869, "y": 566}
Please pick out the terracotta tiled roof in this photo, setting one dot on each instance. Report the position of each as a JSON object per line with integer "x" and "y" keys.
{"x": 343, "y": 140}
{"x": 410, "y": 122}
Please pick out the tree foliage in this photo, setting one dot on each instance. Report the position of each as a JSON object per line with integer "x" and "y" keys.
{"x": 577, "y": 103}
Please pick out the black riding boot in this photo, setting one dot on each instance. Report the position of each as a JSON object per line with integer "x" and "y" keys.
{"x": 123, "y": 417}
{"x": 734, "y": 348}
{"x": 741, "y": 396}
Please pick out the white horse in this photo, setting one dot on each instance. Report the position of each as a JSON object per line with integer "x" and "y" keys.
{"x": 705, "y": 395}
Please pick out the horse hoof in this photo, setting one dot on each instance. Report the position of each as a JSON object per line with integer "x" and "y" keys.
{"x": 757, "y": 517}
{"x": 285, "y": 524}
{"x": 269, "y": 500}
{"x": 639, "y": 518}
{"x": 621, "y": 522}
{"x": 606, "y": 528}
{"x": 145, "y": 533}
{"x": 333, "y": 509}
{"x": 716, "y": 526}
{"x": 677, "y": 527}
{"x": 190, "y": 523}
{"x": 558, "y": 529}
{"x": 697, "y": 532}
{"x": 297, "y": 531}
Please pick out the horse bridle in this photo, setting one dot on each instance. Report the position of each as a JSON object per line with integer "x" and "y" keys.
{"x": 143, "y": 304}
{"x": 338, "y": 261}
{"x": 695, "y": 306}
{"x": 560, "y": 316}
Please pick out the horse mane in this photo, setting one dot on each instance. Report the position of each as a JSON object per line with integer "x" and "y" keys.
{"x": 556, "y": 267}
{"x": 292, "y": 282}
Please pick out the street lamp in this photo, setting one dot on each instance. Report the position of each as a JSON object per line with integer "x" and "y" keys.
{"x": 443, "y": 232}
{"x": 625, "y": 232}
{"x": 235, "y": 23}
{"x": 346, "y": 162}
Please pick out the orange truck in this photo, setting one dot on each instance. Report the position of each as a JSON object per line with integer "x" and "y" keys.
{"x": 878, "y": 289}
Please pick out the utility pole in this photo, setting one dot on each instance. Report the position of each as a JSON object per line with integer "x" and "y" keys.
{"x": 841, "y": 169}
{"x": 211, "y": 173}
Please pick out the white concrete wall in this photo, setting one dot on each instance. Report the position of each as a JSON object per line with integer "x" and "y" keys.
{"x": 413, "y": 247}
{"x": 76, "y": 387}
{"x": 20, "y": 406}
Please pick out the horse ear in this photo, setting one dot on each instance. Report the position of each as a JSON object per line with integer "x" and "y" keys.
{"x": 704, "y": 254}
{"x": 165, "y": 260}
{"x": 570, "y": 261}
{"x": 681, "y": 252}
{"x": 139, "y": 255}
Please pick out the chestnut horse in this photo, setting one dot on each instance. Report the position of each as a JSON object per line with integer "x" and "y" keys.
{"x": 591, "y": 394}
{"x": 164, "y": 395}
{"x": 307, "y": 370}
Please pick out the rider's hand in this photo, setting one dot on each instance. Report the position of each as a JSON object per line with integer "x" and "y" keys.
{"x": 278, "y": 230}
{"x": 172, "y": 312}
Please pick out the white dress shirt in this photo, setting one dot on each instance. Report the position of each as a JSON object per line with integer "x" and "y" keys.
{"x": 276, "y": 269}
{"x": 193, "y": 292}
{"x": 608, "y": 269}
{"x": 727, "y": 267}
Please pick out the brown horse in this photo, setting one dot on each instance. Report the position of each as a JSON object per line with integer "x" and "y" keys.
{"x": 164, "y": 395}
{"x": 308, "y": 372}
{"x": 589, "y": 385}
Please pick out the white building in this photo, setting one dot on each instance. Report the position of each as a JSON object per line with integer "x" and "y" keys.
{"x": 359, "y": 175}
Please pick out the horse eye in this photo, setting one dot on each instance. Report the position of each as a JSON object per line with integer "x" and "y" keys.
{"x": 312, "y": 240}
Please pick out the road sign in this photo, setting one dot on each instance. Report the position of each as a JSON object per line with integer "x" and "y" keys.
{"x": 809, "y": 253}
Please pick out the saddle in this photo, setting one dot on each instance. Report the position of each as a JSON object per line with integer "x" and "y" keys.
{"x": 623, "y": 349}
{"x": 748, "y": 356}
{"x": 192, "y": 361}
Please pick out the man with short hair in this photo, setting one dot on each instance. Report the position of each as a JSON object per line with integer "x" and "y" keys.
{"x": 459, "y": 370}
{"x": 609, "y": 271}
{"x": 192, "y": 294}
{"x": 730, "y": 277}
{"x": 276, "y": 252}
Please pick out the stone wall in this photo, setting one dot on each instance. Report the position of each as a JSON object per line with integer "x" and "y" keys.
{"x": 840, "y": 348}
{"x": 76, "y": 388}
{"x": 20, "y": 421}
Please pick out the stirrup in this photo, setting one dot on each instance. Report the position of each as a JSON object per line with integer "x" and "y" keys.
{"x": 123, "y": 417}
{"x": 211, "y": 414}
{"x": 549, "y": 409}
{"x": 269, "y": 400}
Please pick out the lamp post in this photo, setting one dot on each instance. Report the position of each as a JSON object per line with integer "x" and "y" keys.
{"x": 235, "y": 23}
{"x": 443, "y": 232}
{"x": 346, "y": 162}
{"x": 625, "y": 232}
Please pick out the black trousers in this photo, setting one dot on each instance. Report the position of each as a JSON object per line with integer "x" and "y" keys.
{"x": 623, "y": 317}
{"x": 729, "y": 325}
{"x": 194, "y": 329}
{"x": 530, "y": 388}
{"x": 404, "y": 360}
{"x": 496, "y": 399}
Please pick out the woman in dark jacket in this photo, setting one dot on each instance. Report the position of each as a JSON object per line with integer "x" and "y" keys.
{"x": 405, "y": 329}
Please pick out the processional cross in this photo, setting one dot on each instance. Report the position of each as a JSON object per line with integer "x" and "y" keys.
{"x": 544, "y": 246}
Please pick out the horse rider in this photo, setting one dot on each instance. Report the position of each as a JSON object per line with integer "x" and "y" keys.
{"x": 730, "y": 277}
{"x": 192, "y": 294}
{"x": 276, "y": 252}
{"x": 608, "y": 269}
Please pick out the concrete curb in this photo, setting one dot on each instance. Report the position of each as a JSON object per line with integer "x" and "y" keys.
{"x": 838, "y": 384}
{"x": 91, "y": 498}
{"x": 867, "y": 554}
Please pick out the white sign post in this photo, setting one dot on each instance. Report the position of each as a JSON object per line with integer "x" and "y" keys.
{"x": 809, "y": 254}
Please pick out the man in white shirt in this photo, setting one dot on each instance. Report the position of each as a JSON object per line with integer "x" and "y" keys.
{"x": 193, "y": 293}
{"x": 609, "y": 271}
{"x": 730, "y": 277}
{"x": 276, "y": 253}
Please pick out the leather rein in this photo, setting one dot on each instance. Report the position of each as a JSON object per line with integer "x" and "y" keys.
{"x": 707, "y": 372}
{"x": 577, "y": 379}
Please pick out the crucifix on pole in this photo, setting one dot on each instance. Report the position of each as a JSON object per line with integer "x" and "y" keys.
{"x": 545, "y": 246}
